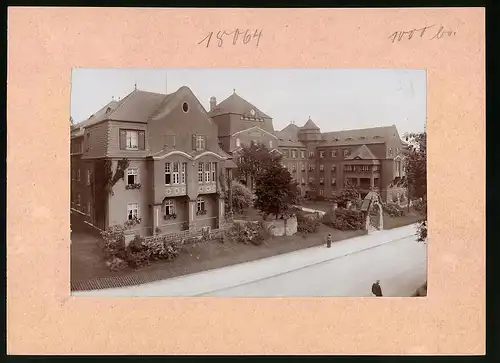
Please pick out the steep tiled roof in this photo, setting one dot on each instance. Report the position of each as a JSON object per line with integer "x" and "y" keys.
{"x": 289, "y": 136}
{"x": 374, "y": 135}
{"x": 362, "y": 152}
{"x": 309, "y": 125}
{"x": 136, "y": 106}
{"x": 237, "y": 105}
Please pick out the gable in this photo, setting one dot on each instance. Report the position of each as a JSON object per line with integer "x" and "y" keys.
{"x": 255, "y": 132}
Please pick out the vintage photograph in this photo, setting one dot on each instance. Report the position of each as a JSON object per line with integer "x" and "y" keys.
{"x": 248, "y": 182}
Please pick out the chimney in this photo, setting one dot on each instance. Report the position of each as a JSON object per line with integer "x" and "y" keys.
{"x": 213, "y": 103}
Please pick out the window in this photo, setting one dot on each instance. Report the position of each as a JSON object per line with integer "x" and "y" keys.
{"x": 207, "y": 173}
{"x": 132, "y": 140}
{"x": 78, "y": 199}
{"x": 303, "y": 181}
{"x": 200, "y": 142}
{"x": 294, "y": 154}
{"x": 348, "y": 168}
{"x": 132, "y": 176}
{"x": 213, "y": 171}
{"x": 169, "y": 207}
{"x": 322, "y": 180}
{"x": 347, "y": 152}
{"x": 376, "y": 168}
{"x": 87, "y": 141}
{"x": 397, "y": 150}
{"x": 365, "y": 167}
{"x": 390, "y": 151}
{"x": 286, "y": 153}
{"x": 168, "y": 174}
{"x": 185, "y": 107}
{"x": 311, "y": 167}
{"x": 270, "y": 144}
{"x": 302, "y": 167}
{"x": 294, "y": 168}
{"x": 200, "y": 205}
{"x": 78, "y": 175}
{"x": 334, "y": 182}
{"x": 238, "y": 143}
{"x": 175, "y": 172}
{"x": 89, "y": 208}
{"x": 334, "y": 167}
{"x": 89, "y": 176}
{"x": 321, "y": 192}
{"x": 321, "y": 167}
{"x": 334, "y": 153}
{"x": 321, "y": 154}
{"x": 311, "y": 153}
{"x": 183, "y": 173}
{"x": 132, "y": 211}
{"x": 200, "y": 172}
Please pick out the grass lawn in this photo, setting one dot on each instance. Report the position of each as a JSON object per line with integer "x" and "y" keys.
{"x": 87, "y": 261}
{"x": 394, "y": 222}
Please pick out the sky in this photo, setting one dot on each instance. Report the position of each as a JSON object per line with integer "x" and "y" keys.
{"x": 335, "y": 99}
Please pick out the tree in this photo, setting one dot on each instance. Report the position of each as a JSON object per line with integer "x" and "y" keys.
{"x": 349, "y": 193}
{"x": 242, "y": 197}
{"x": 276, "y": 192}
{"x": 416, "y": 176}
{"x": 254, "y": 159}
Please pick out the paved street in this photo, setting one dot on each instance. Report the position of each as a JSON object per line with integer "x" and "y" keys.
{"x": 347, "y": 269}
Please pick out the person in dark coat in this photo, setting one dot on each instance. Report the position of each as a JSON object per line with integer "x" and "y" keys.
{"x": 376, "y": 289}
{"x": 329, "y": 240}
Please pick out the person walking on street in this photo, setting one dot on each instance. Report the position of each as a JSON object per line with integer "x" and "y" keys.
{"x": 329, "y": 240}
{"x": 376, "y": 289}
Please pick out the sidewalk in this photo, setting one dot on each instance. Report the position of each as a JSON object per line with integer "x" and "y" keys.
{"x": 207, "y": 281}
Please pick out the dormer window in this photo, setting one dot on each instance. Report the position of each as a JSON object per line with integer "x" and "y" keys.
{"x": 348, "y": 139}
{"x": 108, "y": 110}
{"x": 335, "y": 139}
{"x": 362, "y": 138}
{"x": 377, "y": 137}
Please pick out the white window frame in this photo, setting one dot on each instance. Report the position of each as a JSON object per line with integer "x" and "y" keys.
{"x": 365, "y": 167}
{"x": 302, "y": 154}
{"x": 302, "y": 167}
{"x": 201, "y": 168}
{"x": 321, "y": 167}
{"x": 169, "y": 207}
{"x": 89, "y": 206}
{"x": 334, "y": 181}
{"x": 270, "y": 144}
{"x": 78, "y": 199}
{"x": 89, "y": 178}
{"x": 175, "y": 172}
{"x": 134, "y": 208}
{"x": 334, "y": 153}
{"x": 334, "y": 167}
{"x": 200, "y": 204}
{"x": 311, "y": 153}
{"x": 132, "y": 140}
{"x": 213, "y": 171}
{"x": 321, "y": 154}
{"x": 321, "y": 192}
{"x": 200, "y": 142}
{"x": 183, "y": 173}
{"x": 207, "y": 173}
{"x": 312, "y": 167}
{"x": 322, "y": 180}
{"x": 78, "y": 175}
{"x": 135, "y": 173}
{"x": 346, "y": 152}
{"x": 294, "y": 154}
{"x": 348, "y": 168}
{"x": 390, "y": 151}
{"x": 168, "y": 171}
{"x": 238, "y": 142}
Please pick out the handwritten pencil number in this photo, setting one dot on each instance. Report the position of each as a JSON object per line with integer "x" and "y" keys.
{"x": 247, "y": 37}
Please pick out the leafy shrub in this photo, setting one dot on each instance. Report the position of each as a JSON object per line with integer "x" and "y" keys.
{"x": 115, "y": 264}
{"x": 394, "y": 210}
{"x": 249, "y": 232}
{"x": 138, "y": 254}
{"x": 395, "y": 198}
{"x": 307, "y": 224}
{"x": 114, "y": 241}
{"x": 344, "y": 219}
{"x": 242, "y": 198}
{"x": 422, "y": 231}
{"x": 419, "y": 206}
